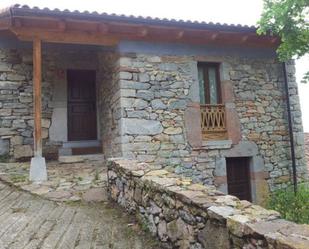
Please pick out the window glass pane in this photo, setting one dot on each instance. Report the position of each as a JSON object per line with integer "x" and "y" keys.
{"x": 201, "y": 84}
{"x": 212, "y": 85}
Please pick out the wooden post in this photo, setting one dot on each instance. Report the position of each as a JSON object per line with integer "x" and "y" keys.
{"x": 37, "y": 72}
{"x": 38, "y": 172}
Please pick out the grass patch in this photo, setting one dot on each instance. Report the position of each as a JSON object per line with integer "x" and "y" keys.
{"x": 292, "y": 207}
{"x": 18, "y": 178}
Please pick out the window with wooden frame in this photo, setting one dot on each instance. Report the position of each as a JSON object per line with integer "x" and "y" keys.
{"x": 209, "y": 82}
{"x": 212, "y": 109}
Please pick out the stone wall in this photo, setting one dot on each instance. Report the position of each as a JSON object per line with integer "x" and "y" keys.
{"x": 193, "y": 216}
{"x": 109, "y": 104}
{"x": 158, "y": 91}
{"x": 16, "y": 103}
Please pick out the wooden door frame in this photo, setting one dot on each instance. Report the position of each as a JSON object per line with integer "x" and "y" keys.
{"x": 95, "y": 96}
{"x": 249, "y": 169}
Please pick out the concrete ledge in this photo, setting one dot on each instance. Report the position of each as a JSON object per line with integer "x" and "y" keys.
{"x": 218, "y": 144}
{"x": 186, "y": 215}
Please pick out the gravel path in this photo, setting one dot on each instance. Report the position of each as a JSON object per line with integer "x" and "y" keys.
{"x": 30, "y": 222}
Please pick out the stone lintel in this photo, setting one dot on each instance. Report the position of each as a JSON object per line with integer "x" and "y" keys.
{"x": 217, "y": 144}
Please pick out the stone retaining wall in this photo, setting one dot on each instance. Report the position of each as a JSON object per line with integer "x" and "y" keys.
{"x": 193, "y": 216}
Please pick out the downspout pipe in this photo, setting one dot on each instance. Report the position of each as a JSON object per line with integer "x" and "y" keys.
{"x": 290, "y": 124}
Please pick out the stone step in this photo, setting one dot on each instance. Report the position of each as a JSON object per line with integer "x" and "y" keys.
{"x": 81, "y": 158}
{"x": 82, "y": 144}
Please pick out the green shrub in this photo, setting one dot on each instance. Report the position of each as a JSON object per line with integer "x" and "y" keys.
{"x": 292, "y": 207}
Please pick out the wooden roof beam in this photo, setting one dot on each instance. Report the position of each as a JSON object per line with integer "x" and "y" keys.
{"x": 62, "y": 25}
{"x": 5, "y": 24}
{"x": 142, "y": 32}
{"x": 102, "y": 28}
{"x": 214, "y": 36}
{"x": 180, "y": 34}
{"x": 87, "y": 38}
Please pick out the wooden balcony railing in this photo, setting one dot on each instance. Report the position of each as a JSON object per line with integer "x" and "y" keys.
{"x": 213, "y": 122}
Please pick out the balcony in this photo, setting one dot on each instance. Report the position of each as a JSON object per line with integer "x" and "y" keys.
{"x": 213, "y": 122}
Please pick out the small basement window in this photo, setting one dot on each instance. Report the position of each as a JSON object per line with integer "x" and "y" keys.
{"x": 238, "y": 177}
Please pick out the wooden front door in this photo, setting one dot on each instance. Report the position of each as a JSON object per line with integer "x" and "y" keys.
{"x": 82, "y": 120}
{"x": 238, "y": 177}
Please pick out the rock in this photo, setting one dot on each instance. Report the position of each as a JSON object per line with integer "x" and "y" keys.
{"x": 146, "y": 158}
{"x": 134, "y": 126}
{"x": 138, "y": 114}
{"x": 5, "y": 67}
{"x": 162, "y": 230}
{"x": 42, "y": 190}
{"x": 15, "y": 77}
{"x": 138, "y": 173}
{"x": 145, "y": 94}
{"x": 125, "y": 75}
{"x": 22, "y": 151}
{"x": 9, "y": 85}
{"x": 140, "y": 104}
{"x": 16, "y": 140}
{"x": 4, "y": 147}
{"x": 70, "y": 159}
{"x": 221, "y": 213}
{"x": 214, "y": 236}
{"x": 236, "y": 224}
{"x": 160, "y": 172}
{"x": 58, "y": 195}
{"x": 95, "y": 195}
{"x": 178, "y": 229}
{"x": 178, "y": 104}
{"x": 7, "y": 131}
{"x": 144, "y": 77}
{"x": 157, "y": 104}
{"x": 173, "y": 130}
{"x": 154, "y": 208}
{"x": 125, "y": 84}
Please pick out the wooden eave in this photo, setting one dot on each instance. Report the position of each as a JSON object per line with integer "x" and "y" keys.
{"x": 109, "y": 31}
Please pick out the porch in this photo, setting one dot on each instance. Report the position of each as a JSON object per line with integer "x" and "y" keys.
{"x": 72, "y": 178}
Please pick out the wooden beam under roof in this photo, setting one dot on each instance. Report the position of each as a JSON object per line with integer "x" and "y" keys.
{"x": 5, "y": 23}
{"x": 74, "y": 37}
{"x": 96, "y": 32}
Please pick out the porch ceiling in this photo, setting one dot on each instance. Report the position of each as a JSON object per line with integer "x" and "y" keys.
{"x": 108, "y": 29}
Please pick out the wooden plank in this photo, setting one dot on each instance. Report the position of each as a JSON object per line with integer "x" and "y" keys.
{"x": 37, "y": 94}
{"x": 70, "y": 37}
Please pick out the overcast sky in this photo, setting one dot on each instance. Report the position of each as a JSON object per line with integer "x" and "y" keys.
{"x": 223, "y": 11}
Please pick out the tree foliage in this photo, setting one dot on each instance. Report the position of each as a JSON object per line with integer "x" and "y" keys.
{"x": 288, "y": 19}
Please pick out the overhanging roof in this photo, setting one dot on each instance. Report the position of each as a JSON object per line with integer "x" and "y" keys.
{"x": 19, "y": 18}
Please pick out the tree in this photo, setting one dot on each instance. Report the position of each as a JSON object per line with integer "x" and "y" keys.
{"x": 288, "y": 19}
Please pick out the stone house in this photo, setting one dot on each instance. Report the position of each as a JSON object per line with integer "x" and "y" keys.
{"x": 204, "y": 100}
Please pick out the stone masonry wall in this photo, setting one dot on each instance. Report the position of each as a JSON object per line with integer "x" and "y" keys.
{"x": 16, "y": 113}
{"x": 193, "y": 216}
{"x": 109, "y": 104}
{"x": 157, "y": 91}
